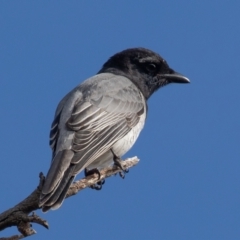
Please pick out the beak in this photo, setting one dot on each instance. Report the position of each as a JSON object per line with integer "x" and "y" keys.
{"x": 175, "y": 77}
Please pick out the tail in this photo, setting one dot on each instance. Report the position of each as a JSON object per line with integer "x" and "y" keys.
{"x": 58, "y": 180}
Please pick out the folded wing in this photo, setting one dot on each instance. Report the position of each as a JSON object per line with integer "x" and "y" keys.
{"x": 108, "y": 108}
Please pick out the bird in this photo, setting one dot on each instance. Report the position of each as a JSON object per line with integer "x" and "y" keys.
{"x": 97, "y": 122}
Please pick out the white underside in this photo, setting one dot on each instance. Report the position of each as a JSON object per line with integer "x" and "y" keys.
{"x": 120, "y": 147}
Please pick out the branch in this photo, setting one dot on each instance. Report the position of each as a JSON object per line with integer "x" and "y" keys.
{"x": 20, "y": 217}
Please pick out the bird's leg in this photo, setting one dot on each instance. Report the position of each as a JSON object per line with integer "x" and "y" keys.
{"x": 118, "y": 162}
{"x": 98, "y": 185}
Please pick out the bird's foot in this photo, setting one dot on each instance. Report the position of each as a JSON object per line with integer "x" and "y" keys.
{"x": 118, "y": 162}
{"x": 98, "y": 185}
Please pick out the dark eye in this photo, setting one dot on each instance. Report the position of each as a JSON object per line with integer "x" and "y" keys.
{"x": 151, "y": 67}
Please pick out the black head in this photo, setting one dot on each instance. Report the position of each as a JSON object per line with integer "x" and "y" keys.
{"x": 145, "y": 68}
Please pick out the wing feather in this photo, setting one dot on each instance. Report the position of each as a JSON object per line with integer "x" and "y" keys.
{"x": 100, "y": 118}
{"x": 88, "y": 122}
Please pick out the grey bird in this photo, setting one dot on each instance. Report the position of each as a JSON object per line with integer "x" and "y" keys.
{"x": 99, "y": 120}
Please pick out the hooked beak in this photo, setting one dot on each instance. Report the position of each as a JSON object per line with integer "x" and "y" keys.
{"x": 175, "y": 77}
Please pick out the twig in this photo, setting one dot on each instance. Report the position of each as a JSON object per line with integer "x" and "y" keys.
{"x": 19, "y": 214}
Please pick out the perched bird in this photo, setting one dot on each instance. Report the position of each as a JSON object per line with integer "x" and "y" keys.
{"x": 99, "y": 120}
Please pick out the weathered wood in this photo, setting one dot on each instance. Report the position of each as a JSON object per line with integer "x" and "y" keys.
{"x": 22, "y": 215}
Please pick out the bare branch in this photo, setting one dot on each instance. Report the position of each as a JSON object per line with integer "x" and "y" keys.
{"x": 105, "y": 173}
{"x": 21, "y": 217}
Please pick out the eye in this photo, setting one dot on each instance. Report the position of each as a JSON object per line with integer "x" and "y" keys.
{"x": 151, "y": 67}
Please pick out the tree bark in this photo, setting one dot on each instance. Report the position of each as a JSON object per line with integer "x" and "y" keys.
{"x": 22, "y": 215}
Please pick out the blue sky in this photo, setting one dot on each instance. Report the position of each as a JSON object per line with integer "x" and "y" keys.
{"x": 187, "y": 183}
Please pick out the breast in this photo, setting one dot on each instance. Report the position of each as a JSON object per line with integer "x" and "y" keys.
{"x": 124, "y": 145}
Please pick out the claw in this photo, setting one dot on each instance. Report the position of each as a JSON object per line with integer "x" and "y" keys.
{"x": 98, "y": 185}
{"x": 101, "y": 182}
{"x": 122, "y": 175}
{"x": 118, "y": 162}
{"x": 92, "y": 171}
